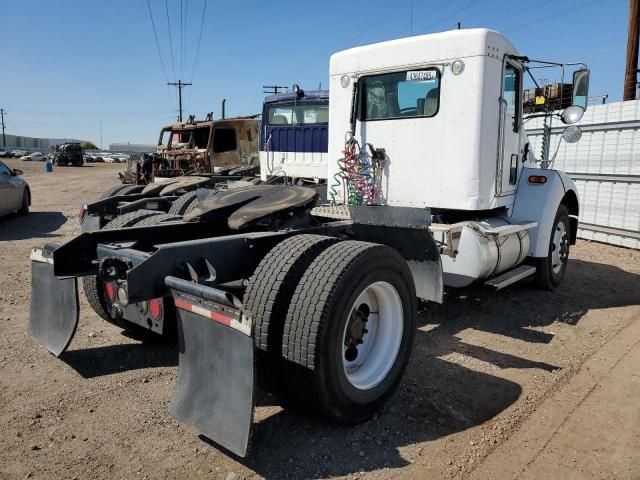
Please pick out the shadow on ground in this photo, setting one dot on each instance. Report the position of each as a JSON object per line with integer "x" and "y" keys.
{"x": 36, "y": 224}
{"x": 436, "y": 397}
{"x": 106, "y": 360}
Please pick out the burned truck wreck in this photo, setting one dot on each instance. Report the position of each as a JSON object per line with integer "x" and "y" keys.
{"x": 199, "y": 146}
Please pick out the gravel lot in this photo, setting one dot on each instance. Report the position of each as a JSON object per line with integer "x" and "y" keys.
{"x": 484, "y": 363}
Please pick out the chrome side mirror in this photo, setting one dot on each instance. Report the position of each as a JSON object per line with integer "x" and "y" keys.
{"x": 572, "y": 114}
{"x": 572, "y": 134}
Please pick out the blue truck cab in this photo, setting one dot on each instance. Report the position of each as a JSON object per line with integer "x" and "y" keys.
{"x": 294, "y": 135}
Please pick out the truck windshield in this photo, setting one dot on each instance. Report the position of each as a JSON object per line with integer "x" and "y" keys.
{"x": 406, "y": 94}
{"x": 298, "y": 114}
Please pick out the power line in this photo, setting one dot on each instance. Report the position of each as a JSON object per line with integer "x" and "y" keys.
{"x": 195, "y": 62}
{"x": 377, "y": 22}
{"x": 186, "y": 17}
{"x": 181, "y": 40}
{"x": 454, "y": 13}
{"x": 553, "y": 16}
{"x": 166, "y": 9}
{"x": 155, "y": 35}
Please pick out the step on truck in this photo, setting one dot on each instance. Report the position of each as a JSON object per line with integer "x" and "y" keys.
{"x": 433, "y": 184}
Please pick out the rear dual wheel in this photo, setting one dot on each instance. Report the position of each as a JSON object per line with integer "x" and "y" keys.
{"x": 349, "y": 326}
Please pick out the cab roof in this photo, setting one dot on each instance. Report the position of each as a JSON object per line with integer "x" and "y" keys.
{"x": 208, "y": 123}
{"x": 421, "y": 49}
{"x": 309, "y": 95}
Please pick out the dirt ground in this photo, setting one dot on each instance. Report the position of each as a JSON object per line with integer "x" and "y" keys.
{"x": 516, "y": 383}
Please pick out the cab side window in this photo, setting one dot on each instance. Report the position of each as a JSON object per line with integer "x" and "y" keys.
{"x": 511, "y": 84}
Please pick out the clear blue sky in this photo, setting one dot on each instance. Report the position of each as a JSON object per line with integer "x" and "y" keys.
{"x": 69, "y": 64}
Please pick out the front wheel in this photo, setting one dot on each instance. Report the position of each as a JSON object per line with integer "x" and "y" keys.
{"x": 550, "y": 270}
{"x": 349, "y": 330}
{"x": 24, "y": 209}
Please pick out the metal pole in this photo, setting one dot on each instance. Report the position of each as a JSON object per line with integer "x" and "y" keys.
{"x": 180, "y": 84}
{"x": 180, "y": 99}
{"x": 4, "y": 140}
{"x": 100, "y": 134}
{"x": 631, "y": 72}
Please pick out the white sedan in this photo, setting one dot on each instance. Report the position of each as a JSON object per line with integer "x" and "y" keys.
{"x": 36, "y": 157}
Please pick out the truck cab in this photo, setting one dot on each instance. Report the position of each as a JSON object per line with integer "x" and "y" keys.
{"x": 446, "y": 107}
{"x": 294, "y": 135}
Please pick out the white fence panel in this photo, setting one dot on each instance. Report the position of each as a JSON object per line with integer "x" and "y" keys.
{"x": 605, "y": 165}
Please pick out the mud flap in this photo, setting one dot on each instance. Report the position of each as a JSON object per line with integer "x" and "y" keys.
{"x": 215, "y": 387}
{"x": 54, "y": 303}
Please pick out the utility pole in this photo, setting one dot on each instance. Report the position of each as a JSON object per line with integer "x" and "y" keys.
{"x": 100, "y": 134}
{"x": 4, "y": 140}
{"x": 180, "y": 84}
{"x": 631, "y": 73}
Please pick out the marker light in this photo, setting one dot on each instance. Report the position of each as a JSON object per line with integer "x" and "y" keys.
{"x": 344, "y": 81}
{"x": 457, "y": 67}
{"x": 155, "y": 308}
{"x": 537, "y": 179}
{"x": 109, "y": 291}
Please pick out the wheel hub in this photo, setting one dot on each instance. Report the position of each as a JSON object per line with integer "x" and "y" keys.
{"x": 372, "y": 335}
{"x": 356, "y": 331}
{"x": 559, "y": 248}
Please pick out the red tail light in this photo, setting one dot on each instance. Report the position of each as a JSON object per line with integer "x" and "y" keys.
{"x": 155, "y": 308}
{"x": 110, "y": 291}
{"x": 81, "y": 213}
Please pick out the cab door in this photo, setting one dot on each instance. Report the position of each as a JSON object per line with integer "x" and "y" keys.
{"x": 225, "y": 147}
{"x": 510, "y": 152}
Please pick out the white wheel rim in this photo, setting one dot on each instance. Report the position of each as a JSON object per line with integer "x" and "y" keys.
{"x": 379, "y": 345}
{"x": 560, "y": 248}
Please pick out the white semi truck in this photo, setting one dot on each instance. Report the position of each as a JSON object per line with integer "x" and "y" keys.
{"x": 432, "y": 185}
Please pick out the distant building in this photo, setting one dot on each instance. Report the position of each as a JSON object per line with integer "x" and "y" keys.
{"x": 131, "y": 148}
{"x": 33, "y": 144}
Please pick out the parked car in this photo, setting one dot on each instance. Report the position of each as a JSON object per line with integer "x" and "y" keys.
{"x": 36, "y": 157}
{"x": 19, "y": 153}
{"x": 15, "y": 195}
{"x": 5, "y": 154}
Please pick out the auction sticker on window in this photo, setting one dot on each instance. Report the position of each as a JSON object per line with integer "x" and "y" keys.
{"x": 421, "y": 76}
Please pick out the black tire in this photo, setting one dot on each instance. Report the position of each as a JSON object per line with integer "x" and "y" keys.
{"x": 130, "y": 190}
{"x": 179, "y": 207}
{"x": 268, "y": 296}
{"x": 112, "y": 191}
{"x": 157, "y": 219}
{"x": 24, "y": 209}
{"x": 93, "y": 287}
{"x": 195, "y": 203}
{"x": 546, "y": 278}
{"x": 317, "y": 320}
